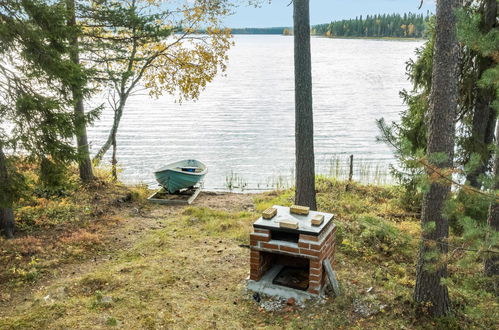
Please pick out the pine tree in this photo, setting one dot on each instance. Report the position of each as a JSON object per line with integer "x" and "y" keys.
{"x": 432, "y": 268}
{"x": 304, "y": 120}
{"x": 36, "y": 81}
{"x": 484, "y": 116}
{"x": 84, "y": 164}
{"x": 480, "y": 33}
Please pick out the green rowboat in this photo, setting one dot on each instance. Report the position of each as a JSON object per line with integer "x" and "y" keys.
{"x": 179, "y": 175}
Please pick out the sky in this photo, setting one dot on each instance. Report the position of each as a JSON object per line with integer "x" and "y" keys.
{"x": 278, "y": 13}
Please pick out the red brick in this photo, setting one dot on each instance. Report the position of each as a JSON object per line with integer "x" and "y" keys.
{"x": 255, "y": 254}
{"x": 254, "y": 271}
{"x": 269, "y": 246}
{"x": 310, "y": 252}
{"x": 289, "y": 249}
{"x": 313, "y": 291}
{"x": 314, "y": 284}
{"x": 315, "y": 264}
{"x": 309, "y": 238}
{"x": 315, "y": 247}
{"x": 315, "y": 271}
{"x": 304, "y": 245}
{"x": 259, "y": 238}
{"x": 255, "y": 264}
{"x": 316, "y": 278}
{"x": 255, "y": 277}
{"x": 261, "y": 231}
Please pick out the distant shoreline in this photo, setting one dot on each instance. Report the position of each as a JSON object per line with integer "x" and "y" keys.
{"x": 374, "y": 38}
{"x": 326, "y": 37}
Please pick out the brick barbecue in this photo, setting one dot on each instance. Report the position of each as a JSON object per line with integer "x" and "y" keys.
{"x": 299, "y": 253}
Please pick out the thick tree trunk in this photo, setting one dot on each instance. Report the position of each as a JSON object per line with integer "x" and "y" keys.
{"x": 484, "y": 116}
{"x": 7, "y": 224}
{"x": 431, "y": 267}
{"x": 85, "y": 164}
{"x": 491, "y": 264}
{"x": 304, "y": 120}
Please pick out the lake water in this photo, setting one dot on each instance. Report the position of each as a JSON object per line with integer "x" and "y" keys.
{"x": 242, "y": 126}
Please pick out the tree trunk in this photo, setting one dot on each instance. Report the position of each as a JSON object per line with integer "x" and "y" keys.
{"x": 484, "y": 116}
{"x": 431, "y": 268}
{"x": 85, "y": 164}
{"x": 112, "y": 134}
{"x": 7, "y": 224}
{"x": 304, "y": 120}
{"x": 491, "y": 264}
{"x": 114, "y": 171}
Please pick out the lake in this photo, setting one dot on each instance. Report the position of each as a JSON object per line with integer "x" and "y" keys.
{"x": 242, "y": 126}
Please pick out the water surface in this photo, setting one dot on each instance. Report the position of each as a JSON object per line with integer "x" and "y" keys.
{"x": 242, "y": 126}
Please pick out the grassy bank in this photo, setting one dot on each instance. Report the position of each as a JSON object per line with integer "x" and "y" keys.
{"x": 116, "y": 261}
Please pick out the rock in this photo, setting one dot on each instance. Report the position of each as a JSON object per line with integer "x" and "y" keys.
{"x": 291, "y": 301}
{"x": 48, "y": 300}
{"x": 273, "y": 304}
{"x": 127, "y": 198}
{"x": 367, "y": 308}
{"x": 256, "y": 296}
{"x": 107, "y": 300}
{"x": 60, "y": 293}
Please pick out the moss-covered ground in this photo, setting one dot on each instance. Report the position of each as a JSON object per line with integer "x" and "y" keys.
{"x": 102, "y": 257}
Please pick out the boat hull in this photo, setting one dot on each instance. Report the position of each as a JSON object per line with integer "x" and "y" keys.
{"x": 174, "y": 180}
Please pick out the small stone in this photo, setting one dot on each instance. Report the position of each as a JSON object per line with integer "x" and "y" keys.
{"x": 48, "y": 300}
{"x": 291, "y": 301}
{"x": 107, "y": 300}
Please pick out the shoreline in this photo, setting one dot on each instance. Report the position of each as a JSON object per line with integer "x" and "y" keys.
{"x": 334, "y": 37}
{"x": 374, "y": 38}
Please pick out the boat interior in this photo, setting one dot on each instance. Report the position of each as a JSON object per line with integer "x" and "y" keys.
{"x": 189, "y": 169}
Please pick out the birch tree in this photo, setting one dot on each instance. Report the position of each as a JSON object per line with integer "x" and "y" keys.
{"x": 141, "y": 45}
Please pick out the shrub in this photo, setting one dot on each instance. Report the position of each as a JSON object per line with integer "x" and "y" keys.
{"x": 374, "y": 235}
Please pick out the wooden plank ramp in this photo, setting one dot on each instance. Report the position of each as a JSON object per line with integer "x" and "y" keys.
{"x": 184, "y": 197}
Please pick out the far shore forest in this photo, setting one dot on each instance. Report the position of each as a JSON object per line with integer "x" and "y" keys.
{"x": 407, "y": 25}
{"x": 79, "y": 249}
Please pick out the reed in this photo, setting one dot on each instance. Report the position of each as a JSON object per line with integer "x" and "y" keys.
{"x": 234, "y": 181}
{"x": 337, "y": 167}
{"x": 364, "y": 170}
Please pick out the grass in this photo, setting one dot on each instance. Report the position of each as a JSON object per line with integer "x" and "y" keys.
{"x": 184, "y": 267}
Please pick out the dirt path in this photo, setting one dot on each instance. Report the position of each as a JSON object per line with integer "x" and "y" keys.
{"x": 134, "y": 224}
